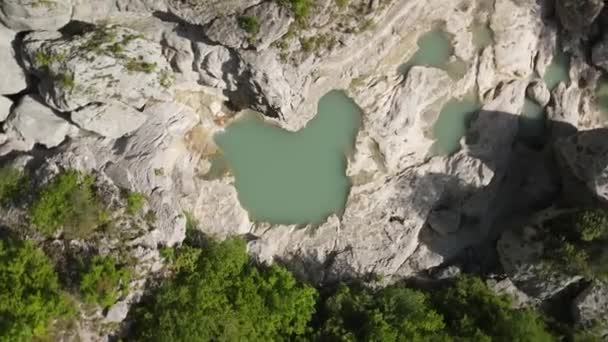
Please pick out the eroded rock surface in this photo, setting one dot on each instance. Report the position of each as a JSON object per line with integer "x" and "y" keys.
{"x": 25, "y": 15}
{"x": 13, "y": 77}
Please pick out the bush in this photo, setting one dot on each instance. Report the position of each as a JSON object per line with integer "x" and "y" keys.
{"x": 183, "y": 259}
{"x": 226, "y": 298}
{"x": 249, "y": 24}
{"x": 135, "y": 201}
{"x": 473, "y": 312}
{"x": 299, "y": 8}
{"x": 13, "y": 183}
{"x": 30, "y": 298}
{"x": 103, "y": 282}
{"x": 392, "y": 314}
{"x": 68, "y": 202}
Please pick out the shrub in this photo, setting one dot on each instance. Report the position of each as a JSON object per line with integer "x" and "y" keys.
{"x": 13, "y": 183}
{"x": 30, "y": 297}
{"x": 135, "y": 201}
{"x": 103, "y": 282}
{"x": 183, "y": 259}
{"x": 249, "y": 24}
{"x": 225, "y": 298}
{"x": 136, "y": 65}
{"x": 299, "y": 8}
{"x": 474, "y": 313}
{"x": 68, "y": 202}
{"x": 392, "y": 314}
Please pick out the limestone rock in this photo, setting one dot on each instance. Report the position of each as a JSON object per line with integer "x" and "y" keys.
{"x": 539, "y": 92}
{"x": 202, "y": 12}
{"x": 577, "y": 15}
{"x": 111, "y": 120}
{"x": 5, "y": 108}
{"x": 25, "y": 15}
{"x": 215, "y": 65}
{"x": 272, "y": 18}
{"x": 591, "y": 305}
{"x": 520, "y": 257}
{"x": 13, "y": 78}
{"x": 584, "y": 156}
{"x": 506, "y": 287}
{"x": 108, "y": 63}
{"x": 31, "y": 122}
{"x": 599, "y": 54}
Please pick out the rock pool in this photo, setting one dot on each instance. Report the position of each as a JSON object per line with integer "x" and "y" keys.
{"x": 293, "y": 177}
{"x": 451, "y": 125}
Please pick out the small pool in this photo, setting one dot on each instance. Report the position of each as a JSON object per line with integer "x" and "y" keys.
{"x": 452, "y": 123}
{"x": 298, "y": 177}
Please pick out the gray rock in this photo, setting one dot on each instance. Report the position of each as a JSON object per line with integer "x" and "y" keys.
{"x": 117, "y": 312}
{"x": 202, "y": 12}
{"x": 599, "y": 54}
{"x": 111, "y": 120}
{"x": 577, "y": 15}
{"x": 5, "y": 107}
{"x": 591, "y": 306}
{"x": 539, "y": 92}
{"x": 448, "y": 272}
{"x": 13, "y": 77}
{"x": 31, "y": 122}
{"x": 445, "y": 221}
{"x": 108, "y": 63}
{"x": 520, "y": 257}
{"x": 215, "y": 65}
{"x": 506, "y": 287}
{"x": 273, "y": 20}
{"x": 25, "y": 15}
{"x": 584, "y": 157}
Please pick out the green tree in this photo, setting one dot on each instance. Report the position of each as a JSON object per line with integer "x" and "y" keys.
{"x": 30, "y": 297}
{"x": 226, "y": 298}
{"x": 13, "y": 183}
{"x": 68, "y": 202}
{"x": 474, "y": 313}
{"x": 103, "y": 282}
{"x": 135, "y": 201}
{"x": 355, "y": 313}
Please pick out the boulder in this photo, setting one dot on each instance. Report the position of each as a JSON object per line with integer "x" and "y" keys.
{"x": 109, "y": 62}
{"x": 521, "y": 258}
{"x": 591, "y": 306}
{"x": 539, "y": 92}
{"x": 584, "y": 157}
{"x": 111, "y": 120}
{"x": 577, "y": 15}
{"x": 26, "y": 15}
{"x": 13, "y": 77}
{"x": 5, "y": 107}
{"x": 30, "y": 123}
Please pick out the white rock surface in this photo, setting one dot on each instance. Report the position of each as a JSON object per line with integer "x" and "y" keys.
{"x": 31, "y": 122}
{"x": 5, "y": 107}
{"x": 13, "y": 77}
{"x": 591, "y": 306}
{"x": 111, "y": 120}
{"x": 25, "y": 15}
{"x": 109, "y": 63}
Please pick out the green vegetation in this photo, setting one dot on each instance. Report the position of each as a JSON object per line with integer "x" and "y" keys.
{"x": 165, "y": 80}
{"x": 65, "y": 81}
{"x": 342, "y": 4}
{"x": 299, "y": 8}
{"x": 43, "y": 59}
{"x": 226, "y": 298}
{"x": 391, "y": 314}
{"x": 137, "y": 65}
{"x": 249, "y": 24}
{"x": 472, "y": 312}
{"x": 135, "y": 201}
{"x": 318, "y": 43}
{"x": 576, "y": 243}
{"x": 13, "y": 184}
{"x": 183, "y": 259}
{"x": 30, "y": 297}
{"x": 68, "y": 202}
{"x": 104, "y": 282}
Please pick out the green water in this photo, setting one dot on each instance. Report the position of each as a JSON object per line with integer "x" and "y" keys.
{"x": 293, "y": 177}
{"x": 601, "y": 93}
{"x": 434, "y": 50}
{"x": 482, "y": 35}
{"x": 451, "y": 125}
{"x": 557, "y": 71}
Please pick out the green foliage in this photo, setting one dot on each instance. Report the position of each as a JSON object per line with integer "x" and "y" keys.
{"x": 474, "y": 313}
{"x": 30, "y": 298}
{"x": 103, "y": 282}
{"x": 13, "y": 184}
{"x": 299, "y": 8}
{"x": 391, "y": 314}
{"x": 342, "y": 4}
{"x": 576, "y": 243}
{"x": 183, "y": 259}
{"x": 68, "y": 202}
{"x": 226, "y": 298}
{"x": 65, "y": 81}
{"x": 249, "y": 24}
{"x": 135, "y": 201}
{"x": 137, "y": 65}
